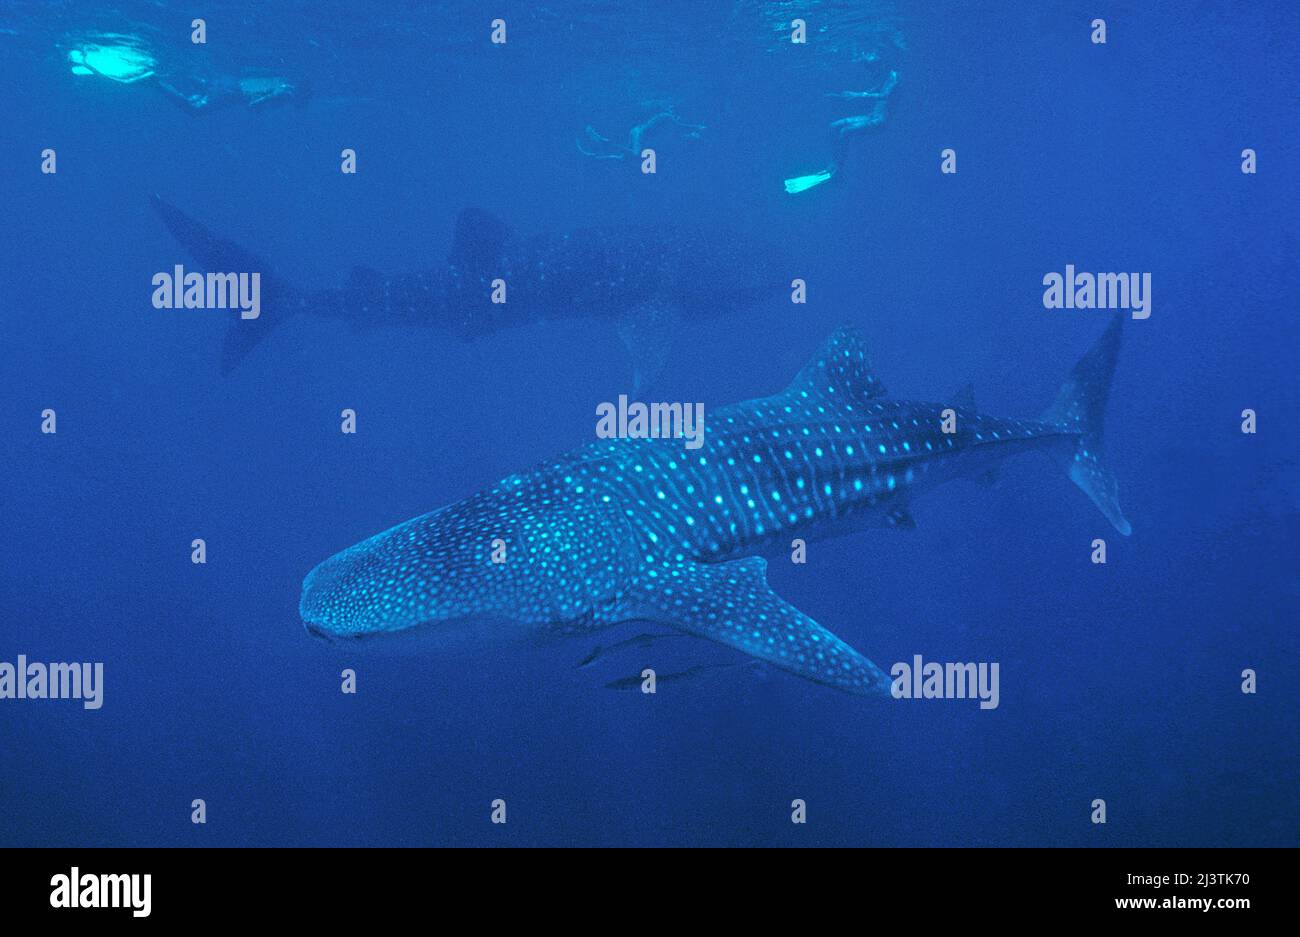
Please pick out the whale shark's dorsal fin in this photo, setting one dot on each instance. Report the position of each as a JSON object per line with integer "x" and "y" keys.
{"x": 840, "y": 372}
{"x": 479, "y": 240}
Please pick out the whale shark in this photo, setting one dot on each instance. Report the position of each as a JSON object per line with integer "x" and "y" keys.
{"x": 644, "y": 530}
{"x": 642, "y": 278}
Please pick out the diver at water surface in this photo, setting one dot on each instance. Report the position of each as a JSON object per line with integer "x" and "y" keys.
{"x": 843, "y": 129}
{"x": 126, "y": 60}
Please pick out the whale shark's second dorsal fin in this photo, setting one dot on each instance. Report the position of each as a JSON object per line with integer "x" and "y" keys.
{"x": 479, "y": 240}
{"x": 840, "y": 372}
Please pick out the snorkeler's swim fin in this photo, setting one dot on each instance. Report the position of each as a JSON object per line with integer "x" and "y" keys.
{"x": 798, "y": 184}
{"x": 215, "y": 255}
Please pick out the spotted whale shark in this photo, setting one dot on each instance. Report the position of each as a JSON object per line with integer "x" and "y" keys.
{"x": 642, "y": 278}
{"x": 645, "y": 530}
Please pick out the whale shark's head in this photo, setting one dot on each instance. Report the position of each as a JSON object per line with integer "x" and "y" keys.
{"x": 519, "y": 551}
{"x": 425, "y": 572}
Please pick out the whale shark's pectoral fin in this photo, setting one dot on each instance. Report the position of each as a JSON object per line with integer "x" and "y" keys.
{"x": 731, "y": 603}
{"x": 647, "y": 332}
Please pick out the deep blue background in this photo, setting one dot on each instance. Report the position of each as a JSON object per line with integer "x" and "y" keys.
{"x": 1118, "y": 682}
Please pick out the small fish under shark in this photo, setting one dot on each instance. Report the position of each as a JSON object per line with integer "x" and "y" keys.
{"x": 640, "y": 277}
{"x": 642, "y": 530}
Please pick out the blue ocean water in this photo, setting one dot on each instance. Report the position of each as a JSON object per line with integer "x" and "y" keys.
{"x": 1119, "y": 682}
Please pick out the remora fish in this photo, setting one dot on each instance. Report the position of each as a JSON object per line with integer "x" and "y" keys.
{"x": 644, "y": 530}
{"x": 638, "y": 641}
{"x": 641, "y": 278}
{"x": 636, "y": 680}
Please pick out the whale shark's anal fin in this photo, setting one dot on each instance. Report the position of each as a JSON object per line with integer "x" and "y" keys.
{"x": 731, "y": 603}
{"x": 647, "y": 332}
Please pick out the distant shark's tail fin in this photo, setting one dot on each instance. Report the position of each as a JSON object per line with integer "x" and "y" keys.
{"x": 215, "y": 255}
{"x": 1081, "y": 406}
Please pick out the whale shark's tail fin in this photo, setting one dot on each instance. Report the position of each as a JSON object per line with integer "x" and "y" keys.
{"x": 1081, "y": 406}
{"x": 216, "y": 255}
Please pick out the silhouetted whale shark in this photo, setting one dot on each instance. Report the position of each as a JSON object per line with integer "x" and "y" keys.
{"x": 642, "y": 529}
{"x": 642, "y": 278}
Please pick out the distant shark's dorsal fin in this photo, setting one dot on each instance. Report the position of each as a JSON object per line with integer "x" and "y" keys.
{"x": 839, "y": 373}
{"x": 479, "y": 240}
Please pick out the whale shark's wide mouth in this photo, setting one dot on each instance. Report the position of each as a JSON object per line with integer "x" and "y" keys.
{"x": 329, "y": 612}
{"x": 363, "y": 592}
{"x": 325, "y": 607}
{"x": 359, "y": 595}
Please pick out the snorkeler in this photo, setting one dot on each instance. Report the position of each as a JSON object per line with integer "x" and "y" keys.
{"x": 608, "y": 149}
{"x": 842, "y": 129}
{"x": 199, "y": 93}
{"x": 126, "y": 60}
